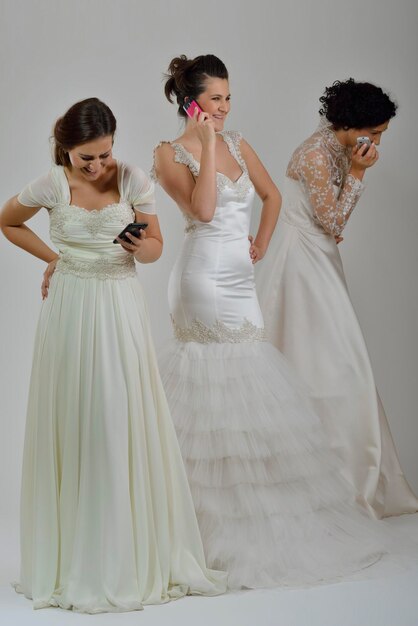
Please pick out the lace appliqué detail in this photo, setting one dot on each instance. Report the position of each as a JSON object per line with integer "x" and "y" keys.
{"x": 219, "y": 333}
{"x": 121, "y": 213}
{"x": 101, "y": 268}
{"x": 190, "y": 224}
{"x": 321, "y": 163}
{"x": 242, "y": 186}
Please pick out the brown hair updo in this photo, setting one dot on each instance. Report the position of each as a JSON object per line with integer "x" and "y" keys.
{"x": 85, "y": 121}
{"x": 186, "y": 77}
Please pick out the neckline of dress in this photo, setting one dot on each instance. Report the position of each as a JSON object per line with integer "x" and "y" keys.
{"x": 330, "y": 138}
{"x": 95, "y": 211}
{"x": 221, "y": 133}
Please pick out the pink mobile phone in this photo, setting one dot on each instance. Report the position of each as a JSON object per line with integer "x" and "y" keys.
{"x": 190, "y": 107}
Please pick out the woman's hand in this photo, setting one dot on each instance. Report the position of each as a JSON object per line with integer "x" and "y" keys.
{"x": 204, "y": 127}
{"x": 135, "y": 244}
{"x": 50, "y": 269}
{"x": 256, "y": 253}
{"x": 363, "y": 157}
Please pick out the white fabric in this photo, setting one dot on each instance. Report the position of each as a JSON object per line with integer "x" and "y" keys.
{"x": 107, "y": 519}
{"x": 52, "y": 189}
{"x": 271, "y": 505}
{"x": 310, "y": 318}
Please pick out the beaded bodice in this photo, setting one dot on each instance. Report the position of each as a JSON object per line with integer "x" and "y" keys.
{"x": 211, "y": 290}
{"x": 240, "y": 187}
{"x": 85, "y": 240}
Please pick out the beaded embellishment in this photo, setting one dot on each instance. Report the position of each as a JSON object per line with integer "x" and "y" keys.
{"x": 101, "y": 268}
{"x": 219, "y": 332}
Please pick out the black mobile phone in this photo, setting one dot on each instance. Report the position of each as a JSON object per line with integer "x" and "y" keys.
{"x": 133, "y": 228}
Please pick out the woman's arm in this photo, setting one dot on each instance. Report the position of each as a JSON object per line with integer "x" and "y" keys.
{"x": 270, "y": 196}
{"x": 196, "y": 196}
{"x": 12, "y": 223}
{"x": 331, "y": 212}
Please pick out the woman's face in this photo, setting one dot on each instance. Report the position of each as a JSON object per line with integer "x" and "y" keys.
{"x": 91, "y": 159}
{"x": 215, "y": 100}
{"x": 374, "y": 133}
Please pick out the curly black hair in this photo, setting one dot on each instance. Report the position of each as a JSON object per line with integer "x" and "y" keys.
{"x": 350, "y": 104}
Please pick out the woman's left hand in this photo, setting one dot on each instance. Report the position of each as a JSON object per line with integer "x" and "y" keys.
{"x": 50, "y": 269}
{"x": 135, "y": 244}
{"x": 256, "y": 253}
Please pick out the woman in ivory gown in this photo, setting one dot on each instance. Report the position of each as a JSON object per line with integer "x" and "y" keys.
{"x": 107, "y": 519}
{"x": 271, "y": 506}
{"x": 303, "y": 294}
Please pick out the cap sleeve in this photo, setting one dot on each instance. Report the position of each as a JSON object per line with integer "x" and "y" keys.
{"x": 42, "y": 192}
{"x": 137, "y": 189}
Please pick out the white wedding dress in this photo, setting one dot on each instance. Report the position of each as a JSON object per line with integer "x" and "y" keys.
{"x": 271, "y": 506}
{"x": 310, "y": 319}
{"x": 107, "y": 519}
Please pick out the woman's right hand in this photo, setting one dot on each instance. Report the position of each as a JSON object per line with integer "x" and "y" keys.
{"x": 205, "y": 128}
{"x": 50, "y": 269}
{"x": 363, "y": 157}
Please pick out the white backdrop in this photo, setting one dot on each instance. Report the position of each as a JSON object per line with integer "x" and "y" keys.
{"x": 280, "y": 54}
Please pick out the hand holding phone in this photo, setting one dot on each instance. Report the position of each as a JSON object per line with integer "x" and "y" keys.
{"x": 190, "y": 107}
{"x": 133, "y": 228}
{"x": 364, "y": 141}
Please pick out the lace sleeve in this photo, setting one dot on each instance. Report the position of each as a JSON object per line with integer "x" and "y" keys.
{"x": 332, "y": 212}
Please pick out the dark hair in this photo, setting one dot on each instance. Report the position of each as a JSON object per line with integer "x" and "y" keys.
{"x": 186, "y": 77}
{"x": 85, "y": 121}
{"x": 350, "y": 104}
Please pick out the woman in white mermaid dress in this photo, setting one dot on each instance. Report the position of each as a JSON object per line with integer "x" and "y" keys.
{"x": 307, "y": 309}
{"x": 107, "y": 519}
{"x": 271, "y": 505}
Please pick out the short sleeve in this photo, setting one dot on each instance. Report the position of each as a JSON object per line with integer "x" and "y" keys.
{"x": 138, "y": 189}
{"x": 42, "y": 192}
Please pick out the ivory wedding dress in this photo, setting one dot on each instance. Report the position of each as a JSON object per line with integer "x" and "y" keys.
{"x": 107, "y": 519}
{"x": 310, "y": 319}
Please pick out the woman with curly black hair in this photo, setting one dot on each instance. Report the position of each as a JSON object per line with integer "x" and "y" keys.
{"x": 303, "y": 294}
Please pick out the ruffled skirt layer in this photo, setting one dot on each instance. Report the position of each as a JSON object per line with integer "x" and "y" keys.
{"x": 272, "y": 506}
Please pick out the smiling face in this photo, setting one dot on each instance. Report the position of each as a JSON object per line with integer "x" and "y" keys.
{"x": 374, "y": 133}
{"x": 91, "y": 159}
{"x": 215, "y": 100}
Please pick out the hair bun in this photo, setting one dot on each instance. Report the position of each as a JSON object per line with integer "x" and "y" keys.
{"x": 177, "y": 84}
{"x": 187, "y": 77}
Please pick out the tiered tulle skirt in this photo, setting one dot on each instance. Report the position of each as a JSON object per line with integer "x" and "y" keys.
{"x": 270, "y": 501}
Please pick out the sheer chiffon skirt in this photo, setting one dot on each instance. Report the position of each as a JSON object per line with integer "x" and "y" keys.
{"x": 107, "y": 519}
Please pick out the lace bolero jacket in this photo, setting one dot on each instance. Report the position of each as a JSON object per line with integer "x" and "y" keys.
{"x": 321, "y": 163}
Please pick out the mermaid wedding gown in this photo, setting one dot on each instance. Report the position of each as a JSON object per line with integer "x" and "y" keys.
{"x": 271, "y": 505}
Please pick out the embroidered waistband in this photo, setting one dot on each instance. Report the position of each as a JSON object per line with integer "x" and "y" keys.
{"x": 101, "y": 268}
{"x": 219, "y": 332}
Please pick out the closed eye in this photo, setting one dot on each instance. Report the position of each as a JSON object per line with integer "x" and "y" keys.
{"x": 85, "y": 157}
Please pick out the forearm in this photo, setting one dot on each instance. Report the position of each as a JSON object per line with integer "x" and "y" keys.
{"x": 203, "y": 201}
{"x": 25, "y": 238}
{"x": 269, "y": 216}
{"x": 150, "y": 251}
